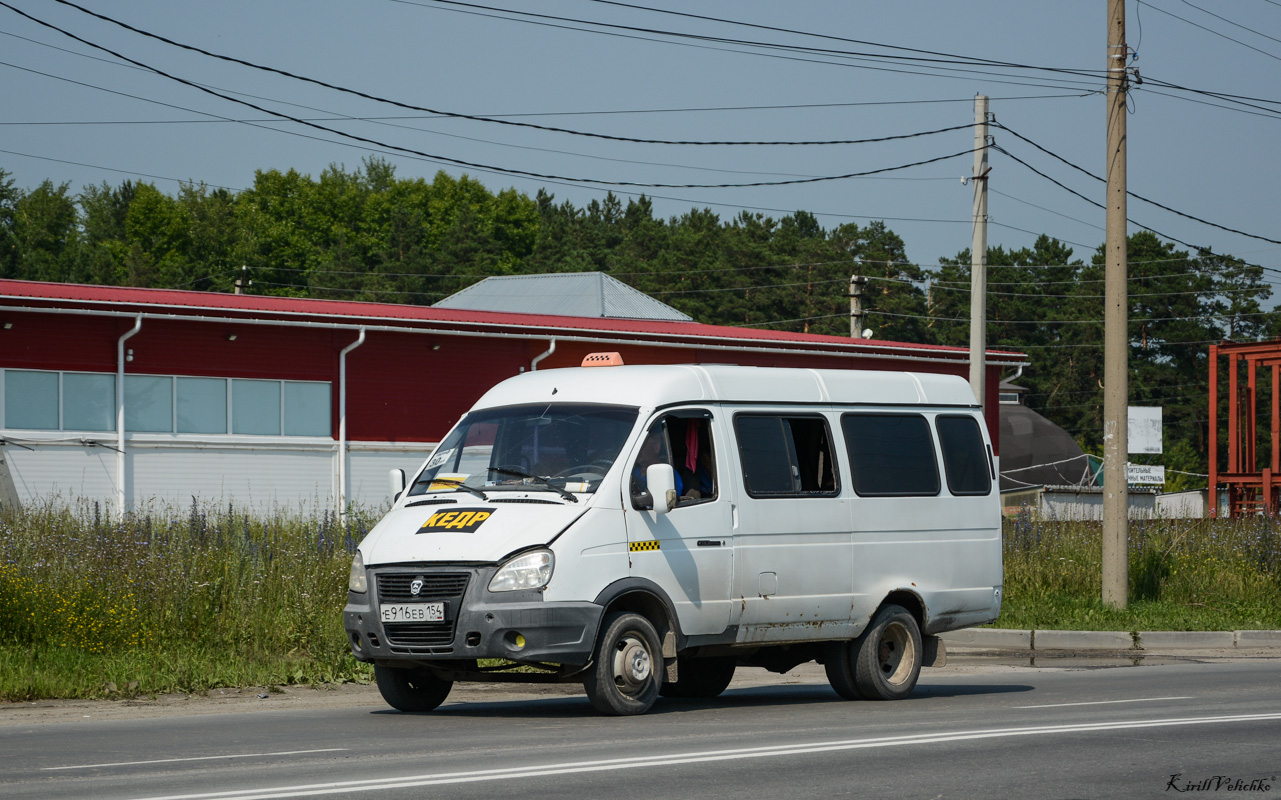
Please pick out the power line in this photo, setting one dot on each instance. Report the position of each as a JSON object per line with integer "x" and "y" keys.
{"x": 460, "y": 162}
{"x": 1210, "y": 30}
{"x": 343, "y": 118}
{"x": 1230, "y": 22}
{"x": 458, "y": 115}
{"x": 937, "y": 64}
{"x": 951, "y": 57}
{"x": 604, "y": 112}
{"x": 121, "y": 171}
{"x": 1135, "y": 195}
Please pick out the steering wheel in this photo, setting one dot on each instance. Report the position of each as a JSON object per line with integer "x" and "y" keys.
{"x": 597, "y": 467}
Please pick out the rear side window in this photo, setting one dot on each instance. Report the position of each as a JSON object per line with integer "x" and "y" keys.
{"x": 964, "y": 456}
{"x": 892, "y": 455}
{"x": 785, "y": 456}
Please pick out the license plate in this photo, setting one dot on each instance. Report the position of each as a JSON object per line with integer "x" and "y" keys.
{"x": 414, "y": 612}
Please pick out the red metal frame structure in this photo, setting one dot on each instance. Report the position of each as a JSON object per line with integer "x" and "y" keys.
{"x": 1251, "y": 490}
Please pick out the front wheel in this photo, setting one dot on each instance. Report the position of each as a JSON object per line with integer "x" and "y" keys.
{"x": 882, "y": 664}
{"x": 626, "y": 666}
{"x": 411, "y": 689}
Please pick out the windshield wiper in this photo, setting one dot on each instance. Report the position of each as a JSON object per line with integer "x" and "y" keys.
{"x": 543, "y": 481}
{"x": 457, "y": 484}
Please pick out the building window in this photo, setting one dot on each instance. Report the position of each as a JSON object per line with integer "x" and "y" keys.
{"x": 148, "y": 404}
{"x": 964, "y": 456}
{"x": 86, "y": 401}
{"x": 202, "y": 405}
{"x": 255, "y": 407}
{"x": 31, "y": 400}
{"x": 307, "y": 409}
{"x": 785, "y": 456}
{"x": 892, "y": 455}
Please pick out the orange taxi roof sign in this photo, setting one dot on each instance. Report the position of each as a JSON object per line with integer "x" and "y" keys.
{"x": 602, "y": 360}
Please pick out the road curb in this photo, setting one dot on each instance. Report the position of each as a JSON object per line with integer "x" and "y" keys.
{"x": 1011, "y": 639}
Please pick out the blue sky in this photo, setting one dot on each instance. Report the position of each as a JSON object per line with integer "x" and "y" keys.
{"x": 1207, "y": 157}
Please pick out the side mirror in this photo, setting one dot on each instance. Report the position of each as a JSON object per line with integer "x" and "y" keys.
{"x": 661, "y": 481}
{"x": 397, "y": 478}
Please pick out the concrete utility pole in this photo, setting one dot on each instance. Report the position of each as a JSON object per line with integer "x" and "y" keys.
{"x": 857, "y": 314}
{"x": 978, "y": 256}
{"x": 1116, "y": 345}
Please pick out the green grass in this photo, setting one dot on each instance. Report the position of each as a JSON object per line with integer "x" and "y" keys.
{"x": 187, "y": 600}
{"x": 1185, "y": 575}
{"x": 174, "y": 601}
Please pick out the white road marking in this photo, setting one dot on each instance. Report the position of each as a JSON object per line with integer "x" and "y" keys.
{"x": 1109, "y": 702}
{"x": 197, "y": 758}
{"x": 568, "y": 768}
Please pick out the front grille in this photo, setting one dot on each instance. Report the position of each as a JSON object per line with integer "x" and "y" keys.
{"x": 394, "y": 588}
{"x": 420, "y": 634}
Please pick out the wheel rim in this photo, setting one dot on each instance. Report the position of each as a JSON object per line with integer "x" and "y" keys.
{"x": 895, "y": 653}
{"x": 633, "y": 664}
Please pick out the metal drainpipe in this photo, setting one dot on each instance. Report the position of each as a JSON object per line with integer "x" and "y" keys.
{"x": 342, "y": 425}
{"x": 533, "y": 365}
{"x": 121, "y": 495}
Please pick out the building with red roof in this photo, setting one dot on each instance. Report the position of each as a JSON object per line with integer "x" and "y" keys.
{"x": 130, "y": 395}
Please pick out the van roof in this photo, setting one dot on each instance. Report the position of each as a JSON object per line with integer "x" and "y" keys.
{"x": 650, "y": 386}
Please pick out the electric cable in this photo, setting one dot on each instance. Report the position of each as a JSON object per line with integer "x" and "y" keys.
{"x": 543, "y": 20}
{"x": 460, "y": 162}
{"x": 1161, "y": 206}
{"x": 454, "y": 114}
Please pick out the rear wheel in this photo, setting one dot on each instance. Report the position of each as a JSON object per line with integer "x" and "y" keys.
{"x": 701, "y": 677}
{"x": 411, "y": 689}
{"x": 626, "y": 667}
{"x": 882, "y": 664}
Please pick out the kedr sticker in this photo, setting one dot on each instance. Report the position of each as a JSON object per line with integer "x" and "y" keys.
{"x": 457, "y": 520}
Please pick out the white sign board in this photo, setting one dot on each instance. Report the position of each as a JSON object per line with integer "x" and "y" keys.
{"x": 1144, "y": 430}
{"x": 1144, "y": 475}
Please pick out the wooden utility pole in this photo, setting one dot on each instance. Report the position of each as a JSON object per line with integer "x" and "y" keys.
{"x": 1116, "y": 343}
{"x": 857, "y": 314}
{"x": 978, "y": 256}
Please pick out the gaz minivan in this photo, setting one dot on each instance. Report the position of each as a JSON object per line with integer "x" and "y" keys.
{"x": 648, "y": 530}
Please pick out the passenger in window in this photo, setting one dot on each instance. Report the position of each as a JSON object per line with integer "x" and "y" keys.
{"x": 653, "y": 451}
{"x": 698, "y": 468}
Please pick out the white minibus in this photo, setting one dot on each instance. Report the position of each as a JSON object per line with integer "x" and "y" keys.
{"x": 648, "y": 530}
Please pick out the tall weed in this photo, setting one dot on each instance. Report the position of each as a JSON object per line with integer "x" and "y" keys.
{"x": 1184, "y": 575}
{"x": 184, "y": 599}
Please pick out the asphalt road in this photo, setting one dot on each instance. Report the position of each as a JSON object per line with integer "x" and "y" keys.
{"x": 977, "y": 730}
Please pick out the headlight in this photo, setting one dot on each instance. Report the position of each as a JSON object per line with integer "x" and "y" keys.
{"x": 357, "y": 582}
{"x": 526, "y": 571}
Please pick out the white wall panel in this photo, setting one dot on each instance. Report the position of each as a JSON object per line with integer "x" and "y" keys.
{"x": 67, "y": 473}
{"x": 262, "y": 478}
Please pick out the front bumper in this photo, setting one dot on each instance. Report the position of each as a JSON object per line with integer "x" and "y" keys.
{"x": 518, "y": 626}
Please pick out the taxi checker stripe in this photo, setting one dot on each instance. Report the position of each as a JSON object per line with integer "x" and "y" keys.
{"x": 638, "y": 546}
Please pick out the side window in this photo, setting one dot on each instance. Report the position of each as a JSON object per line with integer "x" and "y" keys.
{"x": 964, "y": 456}
{"x": 785, "y": 456}
{"x": 892, "y": 455}
{"x": 686, "y": 443}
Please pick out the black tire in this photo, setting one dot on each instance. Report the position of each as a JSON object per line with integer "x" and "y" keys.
{"x": 411, "y": 689}
{"x": 627, "y": 666}
{"x": 701, "y": 677}
{"x": 882, "y": 664}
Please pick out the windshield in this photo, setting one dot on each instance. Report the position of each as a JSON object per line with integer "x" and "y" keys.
{"x": 561, "y": 447}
